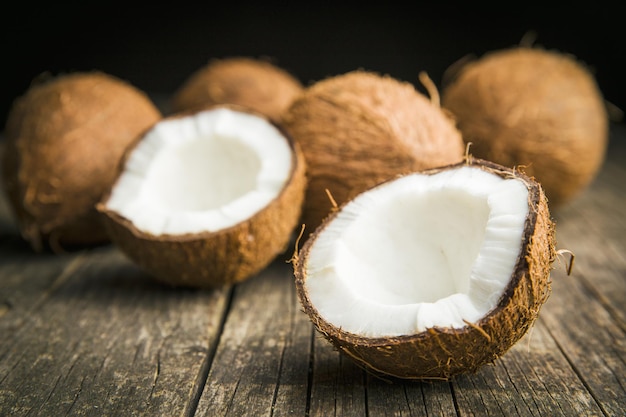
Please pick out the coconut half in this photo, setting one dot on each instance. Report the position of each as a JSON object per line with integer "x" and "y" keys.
{"x": 207, "y": 198}
{"x": 431, "y": 274}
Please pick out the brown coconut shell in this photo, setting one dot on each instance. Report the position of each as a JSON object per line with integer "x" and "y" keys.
{"x": 361, "y": 128}
{"x": 255, "y": 83}
{"x": 214, "y": 259}
{"x": 533, "y": 107}
{"x": 64, "y": 137}
{"x": 442, "y": 353}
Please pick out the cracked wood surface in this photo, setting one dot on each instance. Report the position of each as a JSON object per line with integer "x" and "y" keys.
{"x": 87, "y": 333}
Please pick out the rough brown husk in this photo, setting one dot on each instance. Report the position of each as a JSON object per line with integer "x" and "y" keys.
{"x": 532, "y": 107}
{"x": 255, "y": 83}
{"x": 64, "y": 138}
{"x": 359, "y": 129}
{"x": 214, "y": 259}
{"x": 441, "y": 353}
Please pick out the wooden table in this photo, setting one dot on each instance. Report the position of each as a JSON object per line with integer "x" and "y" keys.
{"x": 88, "y": 333}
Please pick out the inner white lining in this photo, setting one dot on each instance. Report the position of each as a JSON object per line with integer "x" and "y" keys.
{"x": 202, "y": 172}
{"x": 419, "y": 252}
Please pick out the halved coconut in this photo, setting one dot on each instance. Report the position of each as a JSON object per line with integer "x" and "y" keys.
{"x": 431, "y": 274}
{"x": 207, "y": 198}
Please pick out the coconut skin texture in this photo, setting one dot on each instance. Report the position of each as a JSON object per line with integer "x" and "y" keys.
{"x": 442, "y": 353}
{"x": 257, "y": 84}
{"x": 64, "y": 138}
{"x": 537, "y": 108}
{"x": 361, "y": 128}
{"x": 215, "y": 259}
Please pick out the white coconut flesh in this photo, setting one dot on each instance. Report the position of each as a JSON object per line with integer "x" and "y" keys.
{"x": 202, "y": 173}
{"x": 418, "y": 252}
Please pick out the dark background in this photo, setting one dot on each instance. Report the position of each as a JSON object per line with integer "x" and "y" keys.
{"x": 156, "y": 47}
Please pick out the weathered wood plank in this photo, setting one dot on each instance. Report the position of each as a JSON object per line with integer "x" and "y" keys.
{"x": 593, "y": 228}
{"x": 338, "y": 384}
{"x": 262, "y": 359}
{"x": 586, "y": 312}
{"x": 26, "y": 281}
{"x": 532, "y": 379}
{"x": 409, "y": 398}
{"x": 293, "y": 384}
{"x": 591, "y": 340}
{"x": 109, "y": 340}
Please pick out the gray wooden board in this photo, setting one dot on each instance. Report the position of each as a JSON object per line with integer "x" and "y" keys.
{"x": 260, "y": 364}
{"x": 108, "y": 340}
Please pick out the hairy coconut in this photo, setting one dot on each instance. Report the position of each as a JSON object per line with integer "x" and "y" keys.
{"x": 207, "y": 198}
{"x": 64, "y": 137}
{"x": 533, "y": 107}
{"x": 255, "y": 83}
{"x": 432, "y": 274}
{"x": 361, "y": 128}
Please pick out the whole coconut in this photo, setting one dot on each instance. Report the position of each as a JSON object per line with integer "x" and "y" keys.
{"x": 536, "y": 108}
{"x": 64, "y": 138}
{"x": 361, "y": 128}
{"x": 255, "y": 83}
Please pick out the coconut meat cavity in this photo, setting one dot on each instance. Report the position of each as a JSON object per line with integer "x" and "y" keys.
{"x": 202, "y": 172}
{"x": 418, "y": 252}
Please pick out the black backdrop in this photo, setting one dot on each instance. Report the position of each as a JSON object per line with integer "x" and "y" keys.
{"x": 156, "y": 47}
